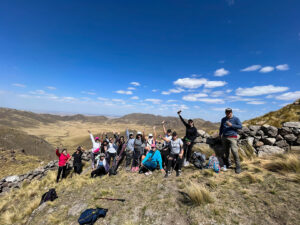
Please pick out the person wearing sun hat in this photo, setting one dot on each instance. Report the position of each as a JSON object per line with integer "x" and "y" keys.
{"x": 102, "y": 166}
{"x": 228, "y": 133}
{"x": 152, "y": 161}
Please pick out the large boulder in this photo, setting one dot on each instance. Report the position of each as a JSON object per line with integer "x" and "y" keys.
{"x": 269, "y": 141}
{"x": 260, "y": 133}
{"x": 279, "y": 137}
{"x": 258, "y": 144}
{"x": 201, "y": 133}
{"x": 250, "y": 140}
{"x": 12, "y": 179}
{"x": 290, "y": 137}
{"x": 292, "y": 124}
{"x": 283, "y": 144}
{"x": 269, "y": 150}
{"x": 265, "y": 128}
{"x": 272, "y": 131}
{"x": 253, "y": 129}
{"x": 298, "y": 140}
{"x": 285, "y": 130}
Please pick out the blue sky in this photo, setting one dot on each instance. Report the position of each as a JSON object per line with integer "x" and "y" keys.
{"x": 119, "y": 57}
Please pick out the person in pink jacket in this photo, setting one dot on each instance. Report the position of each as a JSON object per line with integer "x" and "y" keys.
{"x": 63, "y": 159}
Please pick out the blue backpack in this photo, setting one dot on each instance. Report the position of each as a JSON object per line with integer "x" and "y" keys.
{"x": 213, "y": 163}
{"x": 89, "y": 216}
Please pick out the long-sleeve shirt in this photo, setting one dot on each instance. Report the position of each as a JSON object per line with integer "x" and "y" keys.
{"x": 96, "y": 145}
{"x": 101, "y": 163}
{"x": 228, "y": 131}
{"x": 62, "y": 158}
{"x": 154, "y": 157}
{"x": 191, "y": 133}
{"x": 112, "y": 148}
{"x": 130, "y": 142}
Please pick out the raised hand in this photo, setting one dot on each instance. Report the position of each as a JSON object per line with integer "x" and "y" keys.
{"x": 179, "y": 112}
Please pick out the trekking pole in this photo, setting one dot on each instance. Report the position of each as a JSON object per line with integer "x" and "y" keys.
{"x": 113, "y": 199}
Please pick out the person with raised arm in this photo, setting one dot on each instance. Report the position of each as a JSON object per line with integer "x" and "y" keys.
{"x": 191, "y": 134}
{"x": 176, "y": 154}
{"x": 149, "y": 142}
{"x": 228, "y": 133}
{"x": 63, "y": 159}
{"x": 166, "y": 148}
{"x": 96, "y": 147}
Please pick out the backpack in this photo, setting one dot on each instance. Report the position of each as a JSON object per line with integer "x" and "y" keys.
{"x": 198, "y": 160}
{"x": 213, "y": 163}
{"x": 113, "y": 170}
{"x": 89, "y": 216}
{"x": 49, "y": 196}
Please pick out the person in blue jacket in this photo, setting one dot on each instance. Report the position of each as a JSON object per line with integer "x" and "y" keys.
{"x": 228, "y": 133}
{"x": 152, "y": 161}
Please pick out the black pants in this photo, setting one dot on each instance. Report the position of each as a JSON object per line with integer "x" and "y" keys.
{"x": 164, "y": 156}
{"x": 63, "y": 170}
{"x": 136, "y": 158}
{"x": 111, "y": 156}
{"x": 188, "y": 151}
{"x": 98, "y": 172}
{"x": 129, "y": 156}
{"x": 78, "y": 168}
{"x": 174, "y": 158}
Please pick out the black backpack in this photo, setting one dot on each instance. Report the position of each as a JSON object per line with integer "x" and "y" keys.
{"x": 49, "y": 196}
{"x": 198, "y": 160}
{"x": 90, "y": 216}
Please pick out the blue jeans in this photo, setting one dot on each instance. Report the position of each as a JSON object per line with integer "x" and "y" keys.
{"x": 150, "y": 165}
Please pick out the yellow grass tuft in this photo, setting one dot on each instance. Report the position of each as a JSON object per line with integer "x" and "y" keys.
{"x": 248, "y": 178}
{"x": 284, "y": 163}
{"x": 198, "y": 194}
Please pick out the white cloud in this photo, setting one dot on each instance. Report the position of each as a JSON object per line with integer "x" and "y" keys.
{"x": 256, "y": 102}
{"x": 221, "y": 72}
{"x": 196, "y": 83}
{"x": 51, "y": 88}
{"x": 171, "y": 100}
{"x": 223, "y": 109}
{"x": 240, "y": 99}
{"x": 282, "y": 67}
{"x": 194, "y": 97}
{"x": 200, "y": 98}
{"x": 135, "y": 98}
{"x": 176, "y": 91}
{"x": 228, "y": 90}
{"x": 289, "y": 96}
{"x": 211, "y": 100}
{"x": 266, "y": 69}
{"x": 68, "y": 99}
{"x": 217, "y": 93}
{"x": 155, "y": 90}
{"x": 251, "y": 68}
{"x": 38, "y": 92}
{"x": 260, "y": 90}
{"x": 102, "y": 99}
{"x": 131, "y": 88}
{"x": 88, "y": 92}
{"x": 118, "y": 100}
{"x": 134, "y": 83}
{"x": 19, "y": 85}
{"x": 122, "y": 92}
{"x": 153, "y": 100}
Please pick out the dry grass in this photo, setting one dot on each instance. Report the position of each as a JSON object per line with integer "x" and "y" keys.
{"x": 198, "y": 194}
{"x": 284, "y": 163}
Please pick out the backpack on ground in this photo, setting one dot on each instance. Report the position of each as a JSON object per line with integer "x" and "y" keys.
{"x": 213, "y": 163}
{"x": 49, "y": 196}
{"x": 112, "y": 170}
{"x": 198, "y": 160}
{"x": 90, "y": 216}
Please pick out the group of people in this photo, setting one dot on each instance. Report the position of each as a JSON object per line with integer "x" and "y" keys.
{"x": 144, "y": 154}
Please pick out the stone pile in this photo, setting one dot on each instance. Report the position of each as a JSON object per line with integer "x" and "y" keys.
{"x": 265, "y": 139}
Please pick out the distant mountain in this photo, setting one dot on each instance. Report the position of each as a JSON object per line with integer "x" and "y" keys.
{"x": 16, "y": 139}
{"x": 18, "y": 118}
{"x": 289, "y": 112}
{"x": 154, "y": 120}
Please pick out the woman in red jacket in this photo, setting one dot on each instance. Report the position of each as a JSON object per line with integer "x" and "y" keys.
{"x": 64, "y": 158}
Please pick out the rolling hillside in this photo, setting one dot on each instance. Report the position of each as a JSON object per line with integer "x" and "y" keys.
{"x": 289, "y": 112}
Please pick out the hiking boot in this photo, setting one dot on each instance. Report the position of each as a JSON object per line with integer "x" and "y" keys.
{"x": 167, "y": 174}
{"x": 178, "y": 173}
{"x": 224, "y": 169}
{"x": 238, "y": 170}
